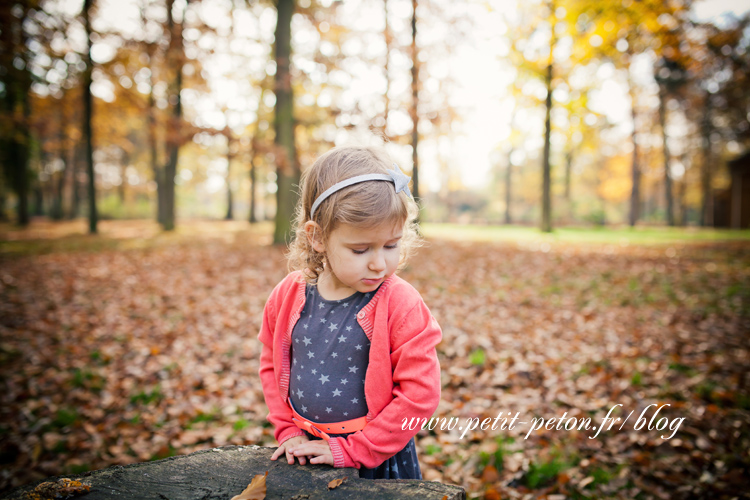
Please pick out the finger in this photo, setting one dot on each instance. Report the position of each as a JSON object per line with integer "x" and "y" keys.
{"x": 289, "y": 458}
{"x": 277, "y": 453}
{"x": 302, "y": 460}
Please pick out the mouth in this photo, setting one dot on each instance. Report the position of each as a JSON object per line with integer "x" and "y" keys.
{"x": 371, "y": 282}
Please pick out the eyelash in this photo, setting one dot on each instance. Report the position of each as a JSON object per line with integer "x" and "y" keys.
{"x": 389, "y": 247}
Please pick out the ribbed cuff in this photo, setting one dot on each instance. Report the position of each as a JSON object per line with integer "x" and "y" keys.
{"x": 339, "y": 459}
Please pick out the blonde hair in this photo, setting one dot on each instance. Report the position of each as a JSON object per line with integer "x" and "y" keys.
{"x": 365, "y": 205}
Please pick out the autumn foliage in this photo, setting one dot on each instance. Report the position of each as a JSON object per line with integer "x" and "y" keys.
{"x": 148, "y": 348}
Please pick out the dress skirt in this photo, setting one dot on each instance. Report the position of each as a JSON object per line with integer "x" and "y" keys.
{"x": 402, "y": 465}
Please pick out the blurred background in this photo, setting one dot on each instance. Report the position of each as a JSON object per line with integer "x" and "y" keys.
{"x": 584, "y": 178}
{"x": 538, "y": 112}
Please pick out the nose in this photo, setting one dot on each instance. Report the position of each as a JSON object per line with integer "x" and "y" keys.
{"x": 377, "y": 262}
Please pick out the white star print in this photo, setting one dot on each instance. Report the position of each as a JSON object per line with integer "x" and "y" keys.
{"x": 344, "y": 381}
{"x": 355, "y": 401}
{"x": 349, "y": 328}
{"x": 334, "y": 355}
{"x": 342, "y": 339}
{"x": 337, "y": 392}
{"x": 314, "y": 371}
{"x": 321, "y": 305}
{"x": 358, "y": 347}
{"x": 346, "y": 304}
{"x": 346, "y": 413}
{"x": 317, "y": 395}
{"x": 299, "y": 377}
{"x": 328, "y": 410}
{"x": 323, "y": 378}
{"x": 322, "y": 362}
{"x": 294, "y": 361}
{"x": 306, "y": 341}
{"x": 346, "y": 358}
{"x": 300, "y": 394}
{"x": 296, "y": 341}
{"x": 333, "y": 326}
{"x": 304, "y": 409}
{"x": 367, "y": 294}
{"x": 322, "y": 320}
{"x": 353, "y": 369}
{"x": 310, "y": 354}
{"x": 305, "y": 325}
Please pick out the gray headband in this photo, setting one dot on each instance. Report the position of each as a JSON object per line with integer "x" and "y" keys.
{"x": 399, "y": 180}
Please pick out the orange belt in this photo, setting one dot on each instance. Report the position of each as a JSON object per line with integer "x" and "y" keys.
{"x": 318, "y": 429}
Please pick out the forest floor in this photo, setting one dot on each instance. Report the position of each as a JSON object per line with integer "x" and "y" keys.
{"x": 135, "y": 345}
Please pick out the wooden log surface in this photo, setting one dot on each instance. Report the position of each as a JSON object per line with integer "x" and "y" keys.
{"x": 221, "y": 473}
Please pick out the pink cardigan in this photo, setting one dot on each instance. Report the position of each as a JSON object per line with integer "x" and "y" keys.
{"x": 402, "y": 378}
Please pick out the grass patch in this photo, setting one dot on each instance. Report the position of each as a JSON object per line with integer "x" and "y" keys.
{"x": 625, "y": 235}
{"x": 65, "y": 417}
{"x": 431, "y": 449}
{"x": 477, "y": 357}
{"x": 542, "y": 474}
{"x": 241, "y": 424}
{"x": 147, "y": 398}
{"x": 684, "y": 369}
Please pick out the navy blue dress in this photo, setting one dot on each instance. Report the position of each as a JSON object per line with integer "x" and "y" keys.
{"x": 330, "y": 354}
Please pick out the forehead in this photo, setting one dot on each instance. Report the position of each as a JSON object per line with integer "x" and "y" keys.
{"x": 349, "y": 233}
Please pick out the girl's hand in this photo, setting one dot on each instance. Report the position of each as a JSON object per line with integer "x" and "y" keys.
{"x": 287, "y": 448}
{"x": 318, "y": 451}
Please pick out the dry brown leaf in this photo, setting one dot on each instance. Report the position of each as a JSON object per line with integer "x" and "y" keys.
{"x": 256, "y": 490}
{"x": 336, "y": 483}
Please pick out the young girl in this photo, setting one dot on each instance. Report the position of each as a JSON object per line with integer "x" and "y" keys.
{"x": 348, "y": 346}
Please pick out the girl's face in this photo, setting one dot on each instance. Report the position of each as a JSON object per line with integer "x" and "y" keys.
{"x": 359, "y": 259}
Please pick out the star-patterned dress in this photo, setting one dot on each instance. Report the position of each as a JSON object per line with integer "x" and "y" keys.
{"x": 330, "y": 354}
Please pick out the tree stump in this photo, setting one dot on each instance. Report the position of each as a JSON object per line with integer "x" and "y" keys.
{"x": 221, "y": 473}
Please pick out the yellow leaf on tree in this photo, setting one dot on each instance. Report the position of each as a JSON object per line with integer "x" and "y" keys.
{"x": 256, "y": 490}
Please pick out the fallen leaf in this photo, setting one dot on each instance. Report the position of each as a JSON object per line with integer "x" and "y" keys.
{"x": 256, "y": 490}
{"x": 336, "y": 483}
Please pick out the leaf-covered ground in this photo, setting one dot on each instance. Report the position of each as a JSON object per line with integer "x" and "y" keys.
{"x": 138, "y": 347}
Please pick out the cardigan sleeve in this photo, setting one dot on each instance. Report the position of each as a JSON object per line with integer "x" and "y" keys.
{"x": 279, "y": 413}
{"x": 416, "y": 393}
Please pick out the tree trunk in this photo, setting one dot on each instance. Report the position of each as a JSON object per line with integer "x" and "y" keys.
{"x": 174, "y": 135}
{"x": 225, "y": 472}
{"x": 77, "y": 167}
{"x": 287, "y": 169}
{"x": 707, "y": 215}
{"x": 546, "y": 167}
{"x": 16, "y": 146}
{"x": 665, "y": 149}
{"x": 568, "y": 175}
{"x": 414, "y": 104}
{"x": 123, "y": 169}
{"x": 253, "y": 216}
{"x": 38, "y": 198}
{"x": 386, "y": 71}
{"x": 230, "y": 212}
{"x": 508, "y": 178}
{"x": 636, "y": 172}
{"x": 59, "y": 186}
{"x": 88, "y": 112}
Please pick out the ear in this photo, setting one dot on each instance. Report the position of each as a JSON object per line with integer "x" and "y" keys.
{"x": 314, "y": 236}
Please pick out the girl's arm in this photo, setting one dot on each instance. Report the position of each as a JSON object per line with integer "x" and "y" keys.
{"x": 416, "y": 391}
{"x": 279, "y": 413}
